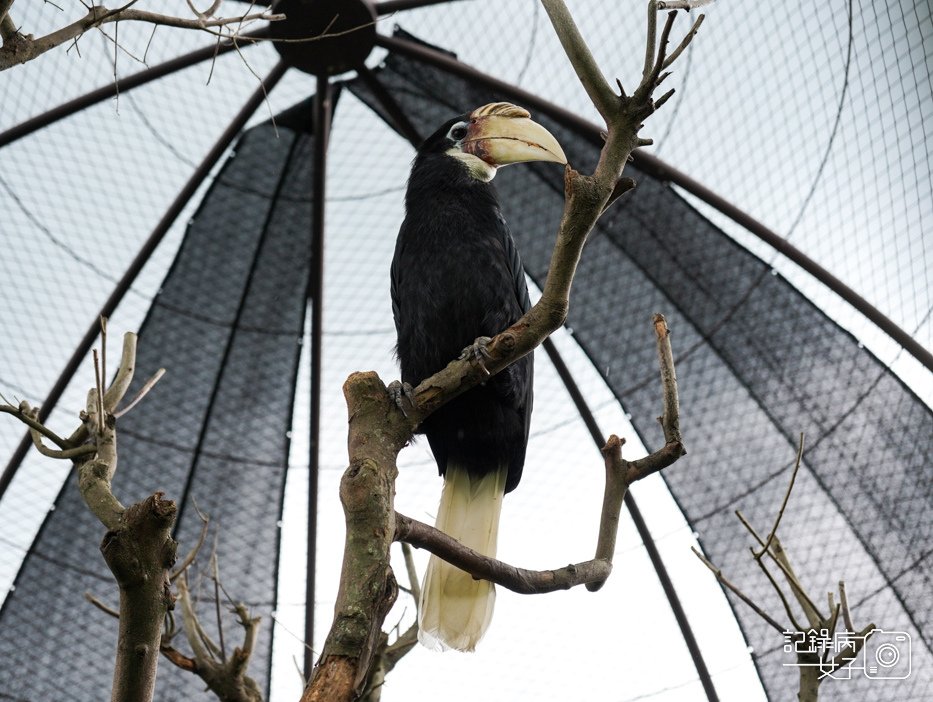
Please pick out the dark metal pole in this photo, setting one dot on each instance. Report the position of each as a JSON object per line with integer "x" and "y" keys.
{"x": 323, "y": 112}
{"x": 124, "y": 85}
{"x": 389, "y": 6}
{"x": 654, "y": 166}
{"x": 400, "y": 120}
{"x": 640, "y": 525}
{"x": 136, "y": 266}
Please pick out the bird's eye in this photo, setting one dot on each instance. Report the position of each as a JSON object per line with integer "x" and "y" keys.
{"x": 458, "y": 131}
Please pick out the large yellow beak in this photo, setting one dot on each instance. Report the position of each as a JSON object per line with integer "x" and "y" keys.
{"x": 501, "y": 133}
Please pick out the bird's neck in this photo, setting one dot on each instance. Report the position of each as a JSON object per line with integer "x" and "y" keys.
{"x": 439, "y": 177}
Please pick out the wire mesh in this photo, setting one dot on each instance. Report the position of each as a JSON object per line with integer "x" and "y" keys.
{"x": 808, "y": 117}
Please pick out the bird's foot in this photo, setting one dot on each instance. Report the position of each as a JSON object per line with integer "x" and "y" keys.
{"x": 478, "y": 352}
{"x": 399, "y": 391}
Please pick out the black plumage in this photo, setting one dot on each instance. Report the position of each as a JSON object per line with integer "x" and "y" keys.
{"x": 456, "y": 276}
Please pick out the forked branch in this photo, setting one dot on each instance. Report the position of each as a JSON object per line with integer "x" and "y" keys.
{"x": 820, "y": 648}
{"x": 378, "y": 429}
{"x": 620, "y": 474}
{"x": 19, "y": 48}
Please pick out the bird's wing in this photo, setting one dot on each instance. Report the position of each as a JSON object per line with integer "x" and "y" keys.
{"x": 394, "y": 272}
{"x": 518, "y": 376}
{"x": 514, "y": 262}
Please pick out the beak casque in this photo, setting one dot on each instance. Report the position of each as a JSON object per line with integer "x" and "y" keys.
{"x": 501, "y": 133}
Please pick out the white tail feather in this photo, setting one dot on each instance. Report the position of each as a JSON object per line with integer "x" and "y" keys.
{"x": 455, "y": 609}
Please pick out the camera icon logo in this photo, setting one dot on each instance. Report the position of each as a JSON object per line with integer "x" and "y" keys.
{"x": 887, "y": 655}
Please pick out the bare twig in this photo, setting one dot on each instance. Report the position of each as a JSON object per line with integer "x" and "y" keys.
{"x": 682, "y": 4}
{"x": 788, "y": 610}
{"x": 18, "y": 48}
{"x": 741, "y": 595}
{"x": 670, "y": 420}
{"x": 99, "y": 395}
{"x": 844, "y": 602}
{"x": 193, "y": 553}
{"x": 103, "y": 352}
{"x": 780, "y": 514}
{"x": 815, "y": 661}
{"x": 581, "y": 58}
{"x": 143, "y": 391}
{"x": 124, "y": 377}
{"x": 413, "y": 581}
{"x": 66, "y": 454}
{"x": 224, "y": 675}
{"x": 7, "y": 27}
{"x": 685, "y": 42}
{"x": 101, "y": 606}
{"x": 215, "y": 576}
{"x": 29, "y": 416}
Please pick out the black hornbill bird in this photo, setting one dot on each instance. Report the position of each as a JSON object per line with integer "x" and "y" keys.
{"x": 457, "y": 280}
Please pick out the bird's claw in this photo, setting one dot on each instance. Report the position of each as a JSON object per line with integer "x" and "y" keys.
{"x": 397, "y": 391}
{"x": 477, "y": 352}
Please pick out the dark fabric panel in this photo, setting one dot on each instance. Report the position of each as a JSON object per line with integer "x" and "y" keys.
{"x": 227, "y": 325}
{"x": 757, "y": 364}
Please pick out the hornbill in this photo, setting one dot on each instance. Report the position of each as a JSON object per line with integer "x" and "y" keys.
{"x": 457, "y": 280}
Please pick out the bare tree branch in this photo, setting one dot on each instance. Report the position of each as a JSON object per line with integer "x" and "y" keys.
{"x": 526, "y": 582}
{"x": 780, "y": 514}
{"x": 741, "y": 595}
{"x": 29, "y": 416}
{"x": 19, "y": 48}
{"x": 815, "y": 661}
{"x": 378, "y": 429}
{"x": 224, "y": 675}
{"x": 137, "y": 547}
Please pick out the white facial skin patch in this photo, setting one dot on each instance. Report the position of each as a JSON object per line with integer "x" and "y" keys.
{"x": 478, "y": 168}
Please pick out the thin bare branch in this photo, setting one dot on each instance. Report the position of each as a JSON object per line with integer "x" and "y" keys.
{"x": 101, "y": 606}
{"x": 588, "y": 71}
{"x": 780, "y": 593}
{"x": 193, "y": 553}
{"x": 5, "y": 6}
{"x": 7, "y": 27}
{"x": 201, "y": 643}
{"x": 844, "y": 603}
{"x": 780, "y": 513}
{"x": 121, "y": 383}
{"x": 682, "y": 4}
{"x": 28, "y": 416}
{"x": 521, "y": 580}
{"x": 65, "y": 454}
{"x": 215, "y": 576}
{"x": 651, "y": 42}
{"x": 670, "y": 420}
{"x": 810, "y": 609}
{"x": 738, "y": 593}
{"x": 99, "y": 395}
{"x": 143, "y": 391}
{"x": 684, "y": 43}
{"x": 25, "y": 48}
{"x": 103, "y": 354}
{"x": 413, "y": 581}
